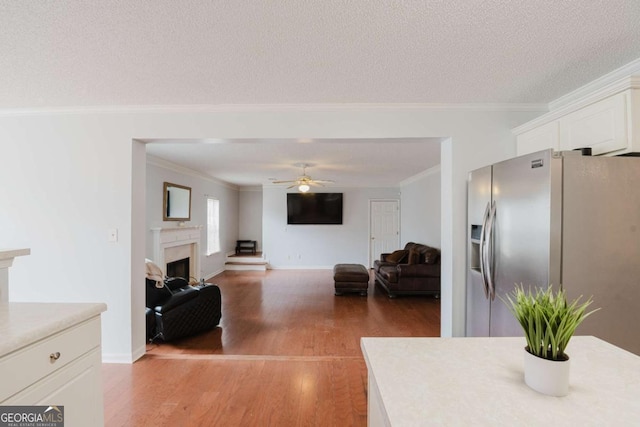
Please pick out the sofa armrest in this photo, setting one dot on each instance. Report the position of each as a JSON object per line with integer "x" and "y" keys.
{"x": 379, "y": 264}
{"x": 383, "y": 257}
{"x": 175, "y": 283}
{"x": 418, "y": 270}
{"x": 177, "y": 299}
{"x": 210, "y": 291}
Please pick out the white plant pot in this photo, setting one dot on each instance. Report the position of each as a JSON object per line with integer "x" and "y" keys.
{"x": 548, "y": 377}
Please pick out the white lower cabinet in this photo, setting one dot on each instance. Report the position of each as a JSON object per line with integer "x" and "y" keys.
{"x": 63, "y": 369}
{"x": 77, "y": 387}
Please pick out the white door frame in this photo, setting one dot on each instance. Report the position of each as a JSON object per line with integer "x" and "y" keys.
{"x": 371, "y": 201}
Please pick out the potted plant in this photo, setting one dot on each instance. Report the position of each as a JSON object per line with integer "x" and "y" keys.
{"x": 548, "y": 322}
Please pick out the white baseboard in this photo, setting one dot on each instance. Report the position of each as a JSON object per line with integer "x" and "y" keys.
{"x": 124, "y": 358}
{"x": 139, "y": 352}
{"x": 246, "y": 267}
{"x": 215, "y": 273}
{"x": 299, "y": 267}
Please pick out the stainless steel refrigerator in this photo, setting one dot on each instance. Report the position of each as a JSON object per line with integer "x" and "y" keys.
{"x": 556, "y": 218}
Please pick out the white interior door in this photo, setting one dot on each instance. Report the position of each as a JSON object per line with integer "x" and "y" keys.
{"x": 384, "y": 228}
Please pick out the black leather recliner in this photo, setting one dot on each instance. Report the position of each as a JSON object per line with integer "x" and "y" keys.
{"x": 178, "y": 310}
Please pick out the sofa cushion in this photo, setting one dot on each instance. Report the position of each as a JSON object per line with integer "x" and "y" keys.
{"x": 414, "y": 256}
{"x": 428, "y": 255}
{"x": 409, "y": 245}
{"x": 418, "y": 270}
{"x": 431, "y": 256}
{"x": 397, "y": 256}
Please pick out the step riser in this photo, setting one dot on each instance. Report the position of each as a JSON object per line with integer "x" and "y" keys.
{"x": 245, "y": 267}
{"x": 246, "y": 263}
{"x": 239, "y": 259}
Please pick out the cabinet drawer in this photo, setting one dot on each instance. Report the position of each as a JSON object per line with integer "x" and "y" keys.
{"x": 26, "y": 366}
{"x": 77, "y": 387}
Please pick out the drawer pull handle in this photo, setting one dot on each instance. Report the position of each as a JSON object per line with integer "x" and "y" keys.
{"x": 54, "y": 356}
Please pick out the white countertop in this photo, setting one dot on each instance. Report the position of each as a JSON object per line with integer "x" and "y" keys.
{"x": 12, "y": 253}
{"x": 22, "y": 323}
{"x": 480, "y": 381}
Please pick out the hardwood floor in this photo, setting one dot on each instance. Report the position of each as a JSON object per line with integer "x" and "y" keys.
{"x": 287, "y": 353}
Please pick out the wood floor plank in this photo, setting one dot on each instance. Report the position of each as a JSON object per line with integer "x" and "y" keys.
{"x": 287, "y": 353}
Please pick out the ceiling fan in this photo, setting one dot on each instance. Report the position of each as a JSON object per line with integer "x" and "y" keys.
{"x": 304, "y": 182}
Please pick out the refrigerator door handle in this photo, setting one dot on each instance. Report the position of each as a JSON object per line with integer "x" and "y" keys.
{"x": 489, "y": 252}
{"x": 483, "y": 235}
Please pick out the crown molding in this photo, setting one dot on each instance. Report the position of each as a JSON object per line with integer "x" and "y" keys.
{"x": 562, "y": 109}
{"x": 166, "y": 164}
{"x": 249, "y": 188}
{"x": 331, "y": 189}
{"x": 230, "y": 108}
{"x": 431, "y": 171}
{"x": 607, "y": 84}
{"x": 597, "y": 94}
{"x": 618, "y": 80}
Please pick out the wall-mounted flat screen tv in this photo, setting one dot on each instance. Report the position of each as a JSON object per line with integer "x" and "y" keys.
{"x": 314, "y": 208}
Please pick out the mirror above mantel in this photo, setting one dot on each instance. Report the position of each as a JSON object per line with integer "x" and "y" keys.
{"x": 176, "y": 202}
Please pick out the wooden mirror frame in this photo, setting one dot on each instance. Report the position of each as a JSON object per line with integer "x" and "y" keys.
{"x": 179, "y": 213}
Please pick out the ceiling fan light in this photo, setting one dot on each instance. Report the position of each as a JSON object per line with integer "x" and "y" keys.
{"x": 303, "y": 188}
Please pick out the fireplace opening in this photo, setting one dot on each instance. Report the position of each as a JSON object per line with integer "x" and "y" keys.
{"x": 179, "y": 268}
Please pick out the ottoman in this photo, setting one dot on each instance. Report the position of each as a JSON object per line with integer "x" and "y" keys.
{"x": 351, "y": 278}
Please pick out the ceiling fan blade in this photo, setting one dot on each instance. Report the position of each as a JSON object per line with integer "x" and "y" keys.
{"x": 305, "y": 179}
{"x": 291, "y": 186}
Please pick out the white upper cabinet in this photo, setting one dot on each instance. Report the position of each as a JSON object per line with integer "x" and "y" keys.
{"x": 609, "y": 126}
{"x": 602, "y": 126}
{"x": 540, "y": 138}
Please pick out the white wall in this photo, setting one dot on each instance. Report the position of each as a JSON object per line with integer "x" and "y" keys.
{"x": 69, "y": 176}
{"x": 66, "y": 180}
{"x": 200, "y": 189}
{"x": 319, "y": 246}
{"x": 420, "y": 209}
{"x": 250, "y": 223}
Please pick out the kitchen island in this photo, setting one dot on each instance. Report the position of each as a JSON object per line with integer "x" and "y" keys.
{"x": 480, "y": 381}
{"x": 50, "y": 354}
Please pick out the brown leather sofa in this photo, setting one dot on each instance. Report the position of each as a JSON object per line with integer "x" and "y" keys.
{"x": 413, "y": 270}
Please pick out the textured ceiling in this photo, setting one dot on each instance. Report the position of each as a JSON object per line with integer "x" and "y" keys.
{"x": 193, "y": 52}
{"x": 167, "y": 52}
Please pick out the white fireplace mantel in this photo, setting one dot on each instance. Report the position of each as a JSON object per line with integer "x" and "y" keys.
{"x": 6, "y": 260}
{"x": 168, "y": 239}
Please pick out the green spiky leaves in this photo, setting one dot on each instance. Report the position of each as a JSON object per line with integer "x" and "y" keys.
{"x": 547, "y": 319}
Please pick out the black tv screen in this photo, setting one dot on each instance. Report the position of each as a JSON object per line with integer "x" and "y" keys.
{"x": 314, "y": 208}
